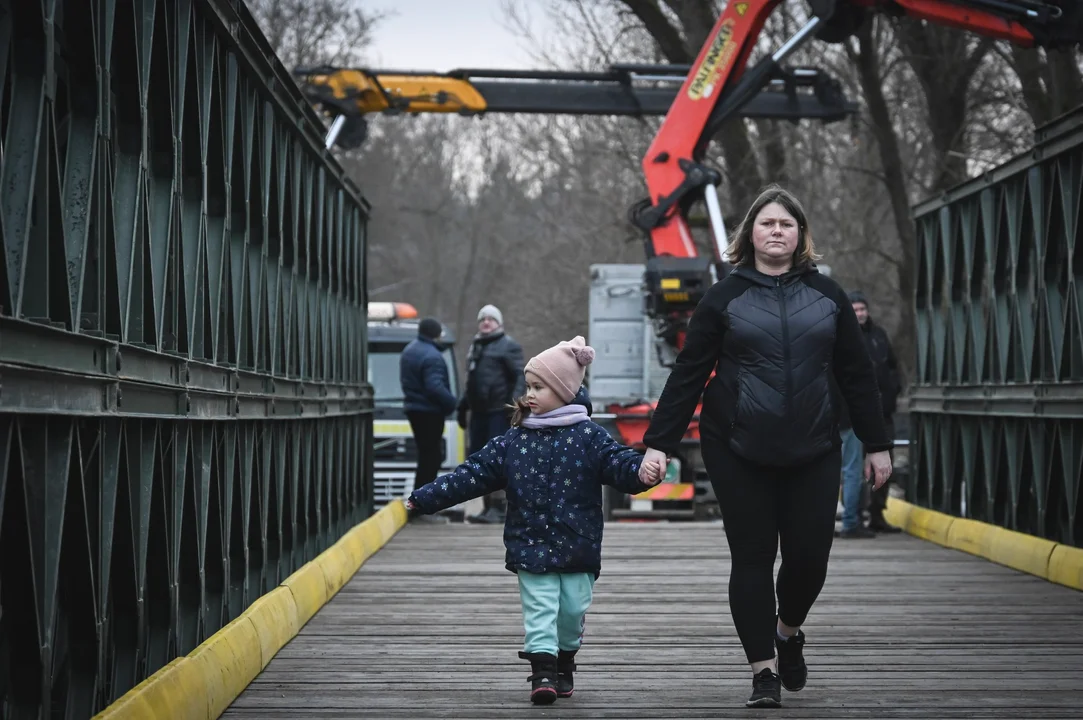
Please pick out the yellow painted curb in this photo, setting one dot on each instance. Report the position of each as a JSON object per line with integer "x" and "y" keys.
{"x": 1037, "y": 556}
{"x": 898, "y": 513}
{"x": 970, "y": 536}
{"x": 1066, "y": 566}
{"x": 227, "y": 662}
{"x": 930, "y": 525}
{"x": 1023, "y": 552}
{"x": 274, "y": 617}
{"x": 201, "y": 685}
{"x": 162, "y": 695}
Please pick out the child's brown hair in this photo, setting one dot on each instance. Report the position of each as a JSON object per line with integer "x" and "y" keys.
{"x": 520, "y": 411}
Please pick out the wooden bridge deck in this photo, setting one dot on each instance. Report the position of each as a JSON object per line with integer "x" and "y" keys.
{"x": 430, "y": 627}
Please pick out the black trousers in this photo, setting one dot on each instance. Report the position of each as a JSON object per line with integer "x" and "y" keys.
{"x": 763, "y": 508}
{"x": 428, "y": 430}
{"x": 484, "y": 426}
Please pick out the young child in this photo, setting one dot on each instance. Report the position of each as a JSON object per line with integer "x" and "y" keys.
{"x": 553, "y": 463}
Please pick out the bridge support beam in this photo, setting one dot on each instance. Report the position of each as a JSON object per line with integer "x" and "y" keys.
{"x": 184, "y": 412}
{"x": 997, "y": 407}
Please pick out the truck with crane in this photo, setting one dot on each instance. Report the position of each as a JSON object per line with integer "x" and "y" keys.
{"x": 695, "y": 100}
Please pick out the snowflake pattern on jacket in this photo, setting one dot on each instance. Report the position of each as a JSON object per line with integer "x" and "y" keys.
{"x": 554, "y": 479}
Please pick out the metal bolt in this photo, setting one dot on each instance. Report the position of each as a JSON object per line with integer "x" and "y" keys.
{"x": 118, "y": 361}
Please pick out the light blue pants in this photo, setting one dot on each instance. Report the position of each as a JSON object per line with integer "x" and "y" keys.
{"x": 852, "y": 456}
{"x": 554, "y": 609}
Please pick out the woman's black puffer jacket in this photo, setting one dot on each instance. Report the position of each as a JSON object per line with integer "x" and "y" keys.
{"x": 787, "y": 351}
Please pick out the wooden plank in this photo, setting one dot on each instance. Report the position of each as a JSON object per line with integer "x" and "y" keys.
{"x": 430, "y": 627}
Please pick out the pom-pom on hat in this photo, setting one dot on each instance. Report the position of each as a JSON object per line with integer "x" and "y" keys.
{"x": 562, "y": 367}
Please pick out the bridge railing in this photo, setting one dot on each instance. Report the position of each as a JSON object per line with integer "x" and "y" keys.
{"x": 184, "y": 412}
{"x": 997, "y": 406}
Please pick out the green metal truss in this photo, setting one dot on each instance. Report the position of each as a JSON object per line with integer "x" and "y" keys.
{"x": 997, "y": 406}
{"x": 185, "y": 417}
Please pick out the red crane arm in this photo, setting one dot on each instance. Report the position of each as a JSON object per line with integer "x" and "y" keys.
{"x": 720, "y": 61}
{"x": 999, "y": 19}
{"x": 719, "y": 85}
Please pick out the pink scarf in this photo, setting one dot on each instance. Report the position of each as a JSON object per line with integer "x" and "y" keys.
{"x": 561, "y": 417}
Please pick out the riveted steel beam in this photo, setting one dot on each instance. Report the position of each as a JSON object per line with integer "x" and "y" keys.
{"x": 997, "y": 405}
{"x": 185, "y": 416}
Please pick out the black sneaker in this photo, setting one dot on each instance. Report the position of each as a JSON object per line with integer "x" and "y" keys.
{"x": 791, "y": 662}
{"x": 766, "y": 690}
{"x": 858, "y": 533}
{"x": 543, "y": 679}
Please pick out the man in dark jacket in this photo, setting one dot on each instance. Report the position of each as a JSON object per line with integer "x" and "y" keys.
{"x": 494, "y": 379}
{"x": 887, "y": 379}
{"x": 427, "y": 397}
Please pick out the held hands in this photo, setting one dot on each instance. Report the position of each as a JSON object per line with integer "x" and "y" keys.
{"x": 877, "y": 468}
{"x": 653, "y": 468}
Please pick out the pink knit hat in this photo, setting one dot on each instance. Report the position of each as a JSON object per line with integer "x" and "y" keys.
{"x": 562, "y": 367}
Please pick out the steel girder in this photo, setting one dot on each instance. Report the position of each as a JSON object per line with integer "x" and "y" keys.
{"x": 997, "y": 406}
{"x": 184, "y": 410}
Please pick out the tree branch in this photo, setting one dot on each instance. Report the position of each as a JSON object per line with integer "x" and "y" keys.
{"x": 661, "y": 29}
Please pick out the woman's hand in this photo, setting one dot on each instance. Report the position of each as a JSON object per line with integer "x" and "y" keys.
{"x": 878, "y": 468}
{"x": 653, "y": 468}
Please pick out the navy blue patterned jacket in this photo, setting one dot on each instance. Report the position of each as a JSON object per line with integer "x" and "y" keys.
{"x": 554, "y": 479}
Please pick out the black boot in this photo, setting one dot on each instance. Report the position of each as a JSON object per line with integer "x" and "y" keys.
{"x": 565, "y": 667}
{"x": 543, "y": 678}
{"x": 878, "y": 524}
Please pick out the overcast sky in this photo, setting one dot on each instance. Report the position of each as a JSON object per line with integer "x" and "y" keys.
{"x": 443, "y": 35}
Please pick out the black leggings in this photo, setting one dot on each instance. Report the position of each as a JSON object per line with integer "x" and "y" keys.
{"x": 761, "y": 507}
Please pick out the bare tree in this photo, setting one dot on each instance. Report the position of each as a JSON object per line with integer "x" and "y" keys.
{"x": 1050, "y": 81}
{"x": 316, "y": 32}
{"x": 945, "y": 62}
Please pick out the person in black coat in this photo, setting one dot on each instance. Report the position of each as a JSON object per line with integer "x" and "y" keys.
{"x": 427, "y": 397}
{"x": 494, "y": 378}
{"x": 888, "y": 380}
{"x": 787, "y": 352}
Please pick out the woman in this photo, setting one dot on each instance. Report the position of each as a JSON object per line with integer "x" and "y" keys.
{"x": 785, "y": 344}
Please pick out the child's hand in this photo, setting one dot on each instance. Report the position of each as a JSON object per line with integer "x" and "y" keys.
{"x": 651, "y": 473}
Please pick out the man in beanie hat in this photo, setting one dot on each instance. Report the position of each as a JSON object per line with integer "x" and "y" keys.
{"x": 427, "y": 397}
{"x": 887, "y": 378}
{"x": 494, "y": 379}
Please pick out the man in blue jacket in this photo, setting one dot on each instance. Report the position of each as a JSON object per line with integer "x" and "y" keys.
{"x": 427, "y": 398}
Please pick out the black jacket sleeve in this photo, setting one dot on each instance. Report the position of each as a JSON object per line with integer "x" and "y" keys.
{"x": 856, "y": 377}
{"x": 514, "y": 365}
{"x": 702, "y": 348}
